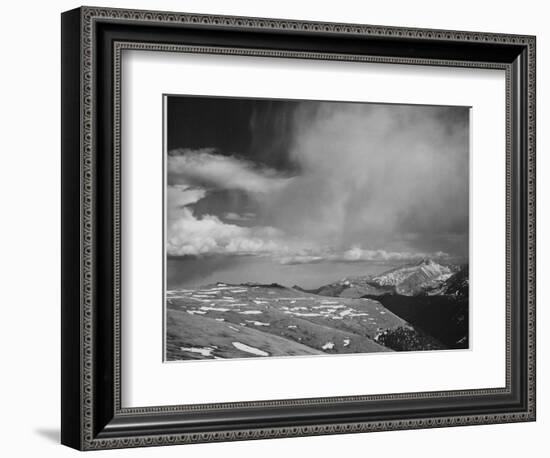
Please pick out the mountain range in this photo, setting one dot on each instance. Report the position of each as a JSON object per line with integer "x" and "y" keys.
{"x": 432, "y": 297}
{"x": 421, "y": 306}
{"x": 426, "y": 277}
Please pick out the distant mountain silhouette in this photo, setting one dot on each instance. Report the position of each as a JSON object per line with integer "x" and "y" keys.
{"x": 409, "y": 280}
{"x": 413, "y": 279}
{"x": 442, "y": 312}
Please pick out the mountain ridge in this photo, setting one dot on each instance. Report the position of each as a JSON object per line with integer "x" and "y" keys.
{"x": 421, "y": 277}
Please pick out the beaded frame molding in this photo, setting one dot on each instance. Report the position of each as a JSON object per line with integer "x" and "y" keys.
{"x": 93, "y": 40}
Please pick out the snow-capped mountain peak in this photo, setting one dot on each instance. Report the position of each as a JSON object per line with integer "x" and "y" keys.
{"x": 412, "y": 279}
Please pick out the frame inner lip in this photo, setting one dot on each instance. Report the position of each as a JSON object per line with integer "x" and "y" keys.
{"x": 119, "y": 47}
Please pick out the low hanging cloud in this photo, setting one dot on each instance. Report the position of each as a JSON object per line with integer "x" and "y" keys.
{"x": 375, "y": 183}
{"x": 207, "y": 235}
{"x": 204, "y": 168}
{"x": 191, "y": 235}
{"x": 390, "y": 177}
{"x": 357, "y": 254}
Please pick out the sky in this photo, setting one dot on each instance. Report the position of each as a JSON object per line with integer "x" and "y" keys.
{"x": 307, "y": 192}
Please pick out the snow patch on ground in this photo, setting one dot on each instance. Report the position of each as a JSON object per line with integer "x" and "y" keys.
{"x": 328, "y": 346}
{"x": 258, "y": 323}
{"x": 249, "y": 349}
{"x": 204, "y": 351}
{"x": 334, "y": 307}
{"x": 214, "y": 309}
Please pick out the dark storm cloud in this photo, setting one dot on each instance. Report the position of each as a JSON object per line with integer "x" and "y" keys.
{"x": 271, "y": 133}
{"x": 319, "y": 181}
{"x": 379, "y": 176}
{"x": 207, "y": 169}
{"x": 259, "y": 130}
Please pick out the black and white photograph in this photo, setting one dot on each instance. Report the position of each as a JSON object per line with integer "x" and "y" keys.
{"x": 277, "y": 222}
{"x": 303, "y": 227}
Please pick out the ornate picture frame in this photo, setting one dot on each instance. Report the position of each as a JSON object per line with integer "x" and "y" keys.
{"x": 93, "y": 416}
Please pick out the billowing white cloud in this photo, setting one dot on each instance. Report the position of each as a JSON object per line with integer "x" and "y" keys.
{"x": 189, "y": 235}
{"x": 205, "y": 168}
{"x": 301, "y": 259}
{"x": 357, "y": 254}
{"x": 192, "y": 236}
{"x": 394, "y": 179}
{"x": 192, "y": 174}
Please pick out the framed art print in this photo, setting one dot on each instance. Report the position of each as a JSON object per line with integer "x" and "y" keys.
{"x": 277, "y": 228}
{"x": 275, "y": 242}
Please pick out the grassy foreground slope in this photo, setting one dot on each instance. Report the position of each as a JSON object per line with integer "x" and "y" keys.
{"x": 193, "y": 337}
{"x": 236, "y": 321}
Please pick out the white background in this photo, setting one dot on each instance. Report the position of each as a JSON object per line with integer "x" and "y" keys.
{"x": 29, "y": 242}
{"x": 148, "y": 75}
